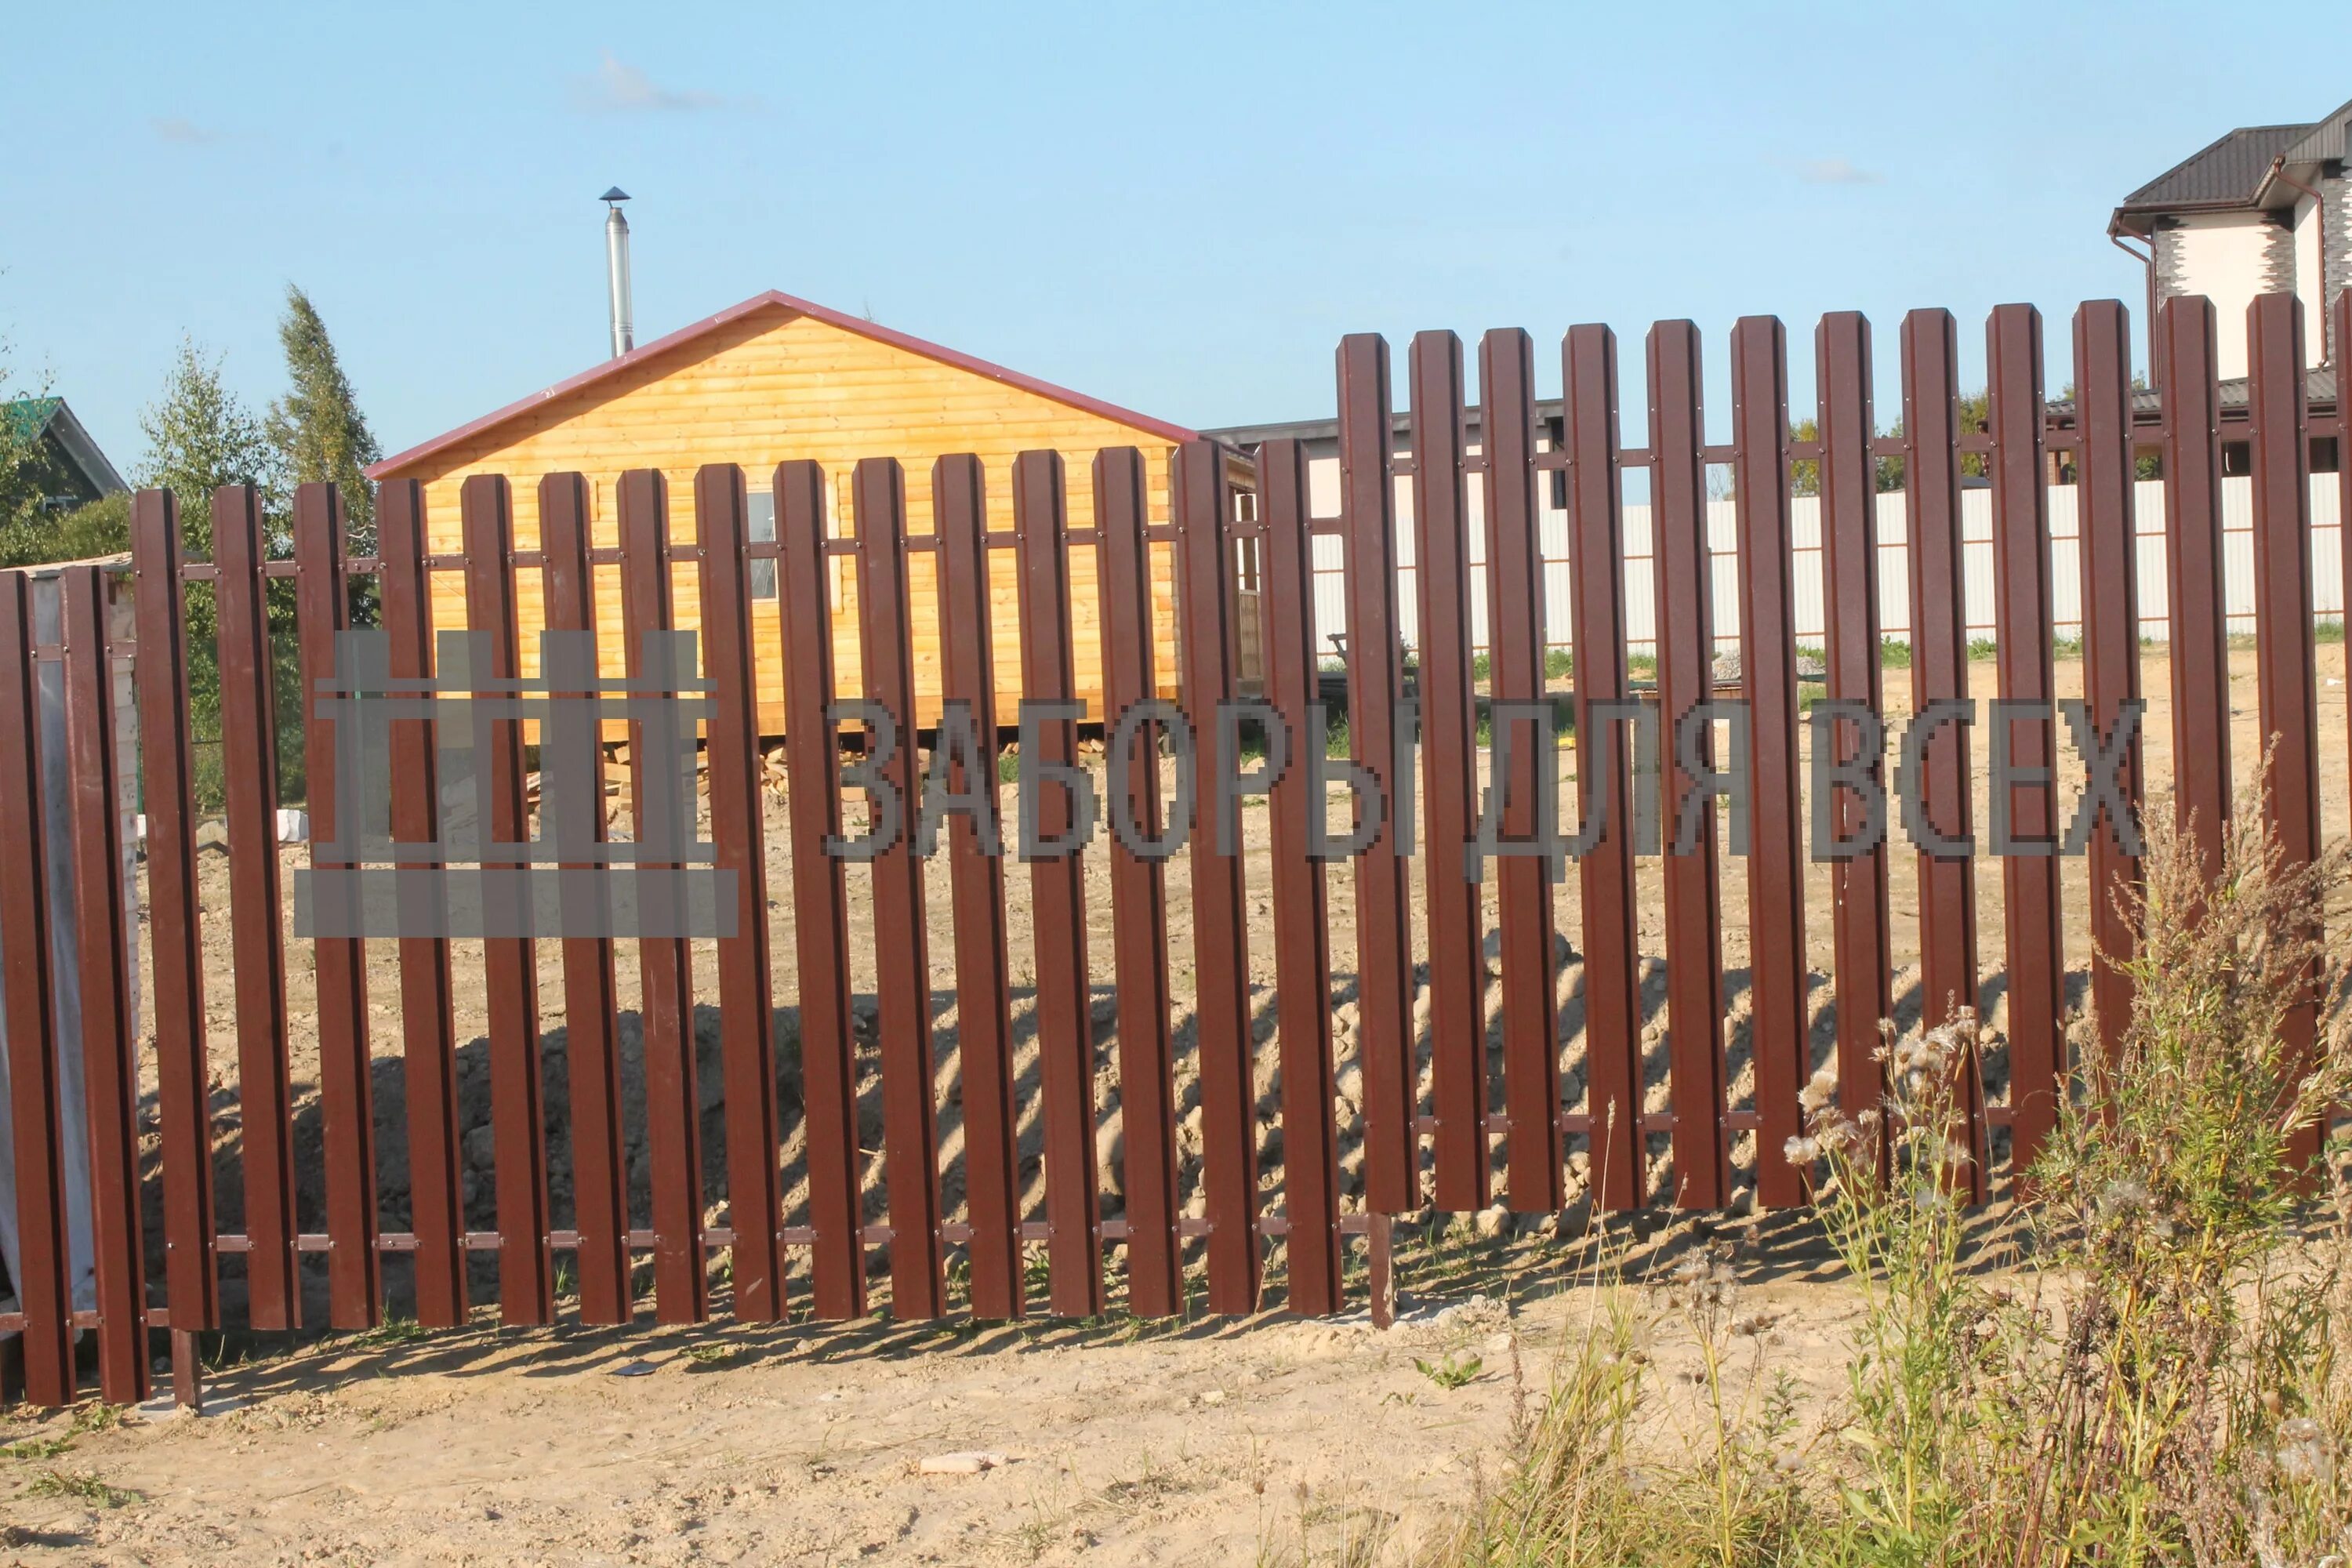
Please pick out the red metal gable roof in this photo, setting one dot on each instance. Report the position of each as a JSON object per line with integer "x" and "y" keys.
{"x": 772, "y": 299}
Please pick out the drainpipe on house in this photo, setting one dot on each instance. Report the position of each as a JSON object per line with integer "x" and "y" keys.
{"x": 2148, "y": 262}
{"x": 2319, "y": 219}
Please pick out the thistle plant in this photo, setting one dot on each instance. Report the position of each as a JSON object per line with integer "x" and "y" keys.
{"x": 1923, "y": 1349}
{"x": 2159, "y": 1371}
{"x": 2185, "y": 1399}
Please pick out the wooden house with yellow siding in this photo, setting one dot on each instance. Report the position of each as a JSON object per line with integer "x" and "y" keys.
{"x": 775, "y": 379}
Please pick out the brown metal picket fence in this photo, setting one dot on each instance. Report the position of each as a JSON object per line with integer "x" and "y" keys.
{"x": 819, "y": 1266}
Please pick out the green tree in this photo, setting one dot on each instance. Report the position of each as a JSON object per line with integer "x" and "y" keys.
{"x": 1805, "y": 473}
{"x": 20, "y": 464}
{"x": 201, "y": 437}
{"x": 316, "y": 428}
{"x": 32, "y": 529}
{"x": 97, "y": 528}
{"x": 1973, "y": 409}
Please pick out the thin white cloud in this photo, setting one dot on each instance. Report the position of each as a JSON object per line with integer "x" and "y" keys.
{"x": 620, "y": 88}
{"x": 1836, "y": 171}
{"x": 183, "y": 131}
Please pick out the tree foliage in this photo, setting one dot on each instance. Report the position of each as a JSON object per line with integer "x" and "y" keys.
{"x": 32, "y": 529}
{"x": 20, "y": 464}
{"x": 23, "y": 463}
{"x": 316, "y": 428}
{"x": 200, "y": 436}
{"x": 97, "y": 528}
{"x": 1973, "y": 412}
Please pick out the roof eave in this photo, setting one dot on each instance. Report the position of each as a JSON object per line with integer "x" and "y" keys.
{"x": 773, "y": 299}
{"x": 76, "y": 441}
{"x": 2154, "y": 210}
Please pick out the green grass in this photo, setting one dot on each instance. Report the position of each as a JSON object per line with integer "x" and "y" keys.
{"x": 1454, "y": 1372}
{"x": 393, "y": 1330}
{"x": 36, "y": 1449}
{"x": 81, "y": 1487}
{"x": 1559, "y": 664}
{"x": 96, "y": 1417}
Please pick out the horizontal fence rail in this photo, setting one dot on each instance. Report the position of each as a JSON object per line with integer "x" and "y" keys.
{"x": 1158, "y": 1060}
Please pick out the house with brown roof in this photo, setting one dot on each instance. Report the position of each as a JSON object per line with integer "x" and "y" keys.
{"x": 2261, "y": 210}
{"x": 777, "y": 378}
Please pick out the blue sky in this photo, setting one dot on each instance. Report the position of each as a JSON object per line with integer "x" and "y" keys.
{"x": 1178, "y": 210}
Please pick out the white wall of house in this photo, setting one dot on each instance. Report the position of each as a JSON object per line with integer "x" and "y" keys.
{"x": 2310, "y": 282}
{"x": 2224, "y": 257}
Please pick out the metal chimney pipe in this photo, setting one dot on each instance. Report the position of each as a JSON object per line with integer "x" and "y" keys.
{"x": 616, "y": 271}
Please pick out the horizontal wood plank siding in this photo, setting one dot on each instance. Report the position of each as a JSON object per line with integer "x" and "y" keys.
{"x": 775, "y": 386}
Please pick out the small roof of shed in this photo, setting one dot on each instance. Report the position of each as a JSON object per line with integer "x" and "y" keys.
{"x": 34, "y": 417}
{"x": 773, "y": 299}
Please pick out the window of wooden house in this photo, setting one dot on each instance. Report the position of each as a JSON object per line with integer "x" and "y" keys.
{"x": 764, "y": 530}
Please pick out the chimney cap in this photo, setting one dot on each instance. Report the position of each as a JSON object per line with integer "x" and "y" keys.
{"x": 615, "y": 194}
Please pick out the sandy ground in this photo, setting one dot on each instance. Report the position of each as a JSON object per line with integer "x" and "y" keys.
{"x": 1257, "y": 1441}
